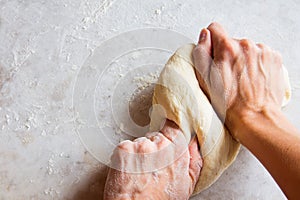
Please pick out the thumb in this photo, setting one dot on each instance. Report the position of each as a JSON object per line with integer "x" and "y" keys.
{"x": 203, "y": 59}
{"x": 195, "y": 161}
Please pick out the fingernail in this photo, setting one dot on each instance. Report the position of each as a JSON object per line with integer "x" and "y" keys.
{"x": 203, "y": 35}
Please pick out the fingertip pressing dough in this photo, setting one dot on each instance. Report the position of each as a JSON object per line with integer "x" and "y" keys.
{"x": 178, "y": 97}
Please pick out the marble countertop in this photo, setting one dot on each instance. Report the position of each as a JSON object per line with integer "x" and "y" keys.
{"x": 43, "y": 45}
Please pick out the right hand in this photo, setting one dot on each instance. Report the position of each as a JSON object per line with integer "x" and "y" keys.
{"x": 239, "y": 76}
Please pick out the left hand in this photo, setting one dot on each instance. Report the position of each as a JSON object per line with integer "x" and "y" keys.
{"x": 175, "y": 181}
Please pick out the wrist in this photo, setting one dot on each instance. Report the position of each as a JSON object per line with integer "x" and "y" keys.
{"x": 241, "y": 121}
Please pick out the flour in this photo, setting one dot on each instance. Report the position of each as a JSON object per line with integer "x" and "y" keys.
{"x": 140, "y": 101}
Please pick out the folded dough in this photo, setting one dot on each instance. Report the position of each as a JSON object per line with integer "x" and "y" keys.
{"x": 178, "y": 97}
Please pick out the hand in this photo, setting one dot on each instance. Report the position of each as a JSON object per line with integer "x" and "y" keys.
{"x": 175, "y": 181}
{"x": 239, "y": 76}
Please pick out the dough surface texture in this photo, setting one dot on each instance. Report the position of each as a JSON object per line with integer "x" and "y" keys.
{"x": 178, "y": 97}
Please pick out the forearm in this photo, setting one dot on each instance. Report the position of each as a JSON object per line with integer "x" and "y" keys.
{"x": 276, "y": 143}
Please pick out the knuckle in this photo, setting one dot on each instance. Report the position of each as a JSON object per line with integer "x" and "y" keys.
{"x": 263, "y": 47}
{"x": 213, "y": 24}
{"x": 225, "y": 43}
{"x": 248, "y": 46}
{"x": 150, "y": 134}
{"x": 226, "y": 48}
{"x": 140, "y": 139}
{"x": 144, "y": 146}
{"x": 125, "y": 145}
{"x": 156, "y": 137}
{"x": 278, "y": 55}
{"x": 245, "y": 43}
{"x": 160, "y": 139}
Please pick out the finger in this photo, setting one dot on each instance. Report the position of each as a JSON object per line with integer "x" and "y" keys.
{"x": 171, "y": 124}
{"x": 171, "y": 131}
{"x": 195, "y": 161}
{"x": 263, "y": 47}
{"x": 203, "y": 58}
{"x": 278, "y": 58}
{"x": 126, "y": 146}
{"x": 223, "y": 47}
{"x": 217, "y": 32}
{"x": 122, "y": 155}
{"x": 144, "y": 145}
{"x": 246, "y": 45}
{"x": 250, "y": 50}
{"x": 159, "y": 139}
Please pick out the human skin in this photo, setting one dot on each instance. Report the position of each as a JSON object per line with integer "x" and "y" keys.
{"x": 175, "y": 181}
{"x": 244, "y": 80}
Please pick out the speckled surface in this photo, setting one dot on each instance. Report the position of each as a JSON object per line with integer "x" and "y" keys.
{"x": 43, "y": 44}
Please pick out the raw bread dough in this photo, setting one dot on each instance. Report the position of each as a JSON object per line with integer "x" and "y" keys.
{"x": 178, "y": 97}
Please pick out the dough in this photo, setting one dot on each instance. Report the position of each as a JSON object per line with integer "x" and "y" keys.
{"x": 178, "y": 97}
